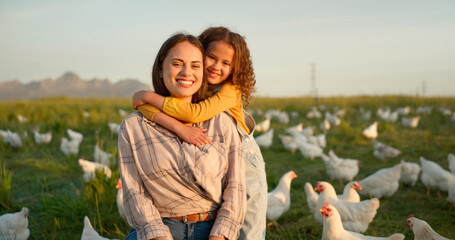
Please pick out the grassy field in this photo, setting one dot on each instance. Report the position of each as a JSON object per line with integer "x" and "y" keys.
{"x": 50, "y": 184}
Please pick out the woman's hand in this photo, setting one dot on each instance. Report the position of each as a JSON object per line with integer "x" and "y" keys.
{"x": 194, "y": 135}
{"x": 138, "y": 98}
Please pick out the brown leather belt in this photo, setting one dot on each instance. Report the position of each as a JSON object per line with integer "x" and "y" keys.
{"x": 197, "y": 217}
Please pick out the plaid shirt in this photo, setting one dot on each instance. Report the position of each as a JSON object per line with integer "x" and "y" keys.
{"x": 163, "y": 177}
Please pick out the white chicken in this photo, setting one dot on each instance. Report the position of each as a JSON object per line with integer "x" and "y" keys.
{"x": 411, "y": 122}
{"x": 309, "y": 150}
{"x": 350, "y": 193}
{"x": 265, "y": 140}
{"x": 76, "y": 136}
{"x": 355, "y": 216}
{"x": 422, "y": 230}
{"x": 42, "y": 138}
{"x": 451, "y": 159}
{"x": 333, "y": 228}
{"x": 114, "y": 127}
{"x": 332, "y": 118}
{"x": 15, "y": 225}
{"x": 294, "y": 129}
{"x": 325, "y": 125}
{"x": 314, "y": 113}
{"x": 263, "y": 126}
{"x": 21, "y": 118}
{"x": 435, "y": 177}
{"x": 69, "y": 147}
{"x": 279, "y": 199}
{"x": 311, "y": 197}
{"x": 89, "y": 169}
{"x": 12, "y": 138}
{"x": 341, "y": 169}
{"x": 122, "y": 112}
{"x": 319, "y": 140}
{"x": 451, "y": 195}
{"x": 371, "y": 131}
{"x": 383, "y": 151}
{"x": 89, "y": 233}
{"x": 409, "y": 173}
{"x": 288, "y": 143}
{"x": 119, "y": 198}
{"x": 101, "y": 156}
{"x": 384, "y": 182}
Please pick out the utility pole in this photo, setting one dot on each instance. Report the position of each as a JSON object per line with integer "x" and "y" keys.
{"x": 424, "y": 88}
{"x": 313, "y": 89}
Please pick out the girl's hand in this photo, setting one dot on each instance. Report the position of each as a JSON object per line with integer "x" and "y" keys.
{"x": 194, "y": 135}
{"x": 216, "y": 238}
{"x": 138, "y": 98}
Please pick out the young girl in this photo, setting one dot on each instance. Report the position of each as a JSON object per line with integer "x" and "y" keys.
{"x": 229, "y": 72}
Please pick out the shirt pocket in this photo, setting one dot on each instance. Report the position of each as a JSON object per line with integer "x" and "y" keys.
{"x": 211, "y": 160}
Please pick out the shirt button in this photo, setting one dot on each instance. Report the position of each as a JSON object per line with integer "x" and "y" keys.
{"x": 247, "y": 139}
{"x": 251, "y": 152}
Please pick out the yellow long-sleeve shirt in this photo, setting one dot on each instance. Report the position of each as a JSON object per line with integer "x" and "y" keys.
{"x": 227, "y": 98}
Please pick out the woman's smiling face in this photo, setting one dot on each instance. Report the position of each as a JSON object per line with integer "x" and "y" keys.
{"x": 182, "y": 70}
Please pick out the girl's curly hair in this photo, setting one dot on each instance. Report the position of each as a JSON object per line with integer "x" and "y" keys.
{"x": 242, "y": 74}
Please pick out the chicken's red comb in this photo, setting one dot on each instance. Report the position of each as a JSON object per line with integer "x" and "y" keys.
{"x": 325, "y": 205}
{"x": 119, "y": 184}
{"x": 410, "y": 216}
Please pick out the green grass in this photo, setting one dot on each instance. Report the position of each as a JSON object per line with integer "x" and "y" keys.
{"x": 50, "y": 184}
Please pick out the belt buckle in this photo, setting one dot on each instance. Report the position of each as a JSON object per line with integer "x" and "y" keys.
{"x": 184, "y": 219}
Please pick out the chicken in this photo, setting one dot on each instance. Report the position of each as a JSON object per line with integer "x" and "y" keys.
{"x": 89, "y": 169}
{"x": 85, "y": 114}
{"x": 341, "y": 169}
{"x": 77, "y": 136}
{"x": 422, "y": 230}
{"x": 11, "y": 138}
{"x": 100, "y": 156}
{"x": 383, "y": 151}
{"x": 371, "y": 131}
{"x": 309, "y": 150}
{"x": 42, "y": 137}
{"x": 435, "y": 177}
{"x": 451, "y": 159}
{"x": 314, "y": 113}
{"x": 384, "y": 182}
{"x": 265, "y": 140}
{"x": 333, "y": 119}
{"x": 311, "y": 197}
{"x": 89, "y": 233}
{"x": 120, "y": 207}
{"x": 333, "y": 228}
{"x": 122, "y": 112}
{"x": 411, "y": 122}
{"x": 69, "y": 147}
{"x": 319, "y": 140}
{"x": 114, "y": 127}
{"x": 355, "y": 216}
{"x": 350, "y": 193}
{"x": 279, "y": 199}
{"x": 263, "y": 126}
{"x": 325, "y": 125}
{"x": 296, "y": 128}
{"x": 451, "y": 195}
{"x": 409, "y": 173}
{"x": 15, "y": 225}
{"x": 288, "y": 143}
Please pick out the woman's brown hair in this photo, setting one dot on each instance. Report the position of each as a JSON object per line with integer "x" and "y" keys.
{"x": 242, "y": 74}
{"x": 157, "y": 81}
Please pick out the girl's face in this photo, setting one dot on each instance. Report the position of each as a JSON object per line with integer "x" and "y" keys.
{"x": 218, "y": 60}
{"x": 182, "y": 70}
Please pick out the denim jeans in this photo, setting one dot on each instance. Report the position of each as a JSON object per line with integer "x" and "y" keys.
{"x": 183, "y": 231}
{"x": 256, "y": 185}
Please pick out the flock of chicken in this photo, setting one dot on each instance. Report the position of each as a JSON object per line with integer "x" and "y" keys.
{"x": 15, "y": 225}
{"x": 345, "y": 216}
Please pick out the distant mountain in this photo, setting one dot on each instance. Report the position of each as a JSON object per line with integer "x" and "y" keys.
{"x": 70, "y": 85}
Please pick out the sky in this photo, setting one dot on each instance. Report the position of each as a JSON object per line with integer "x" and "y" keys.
{"x": 334, "y": 48}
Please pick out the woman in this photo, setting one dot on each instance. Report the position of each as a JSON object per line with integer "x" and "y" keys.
{"x": 173, "y": 189}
